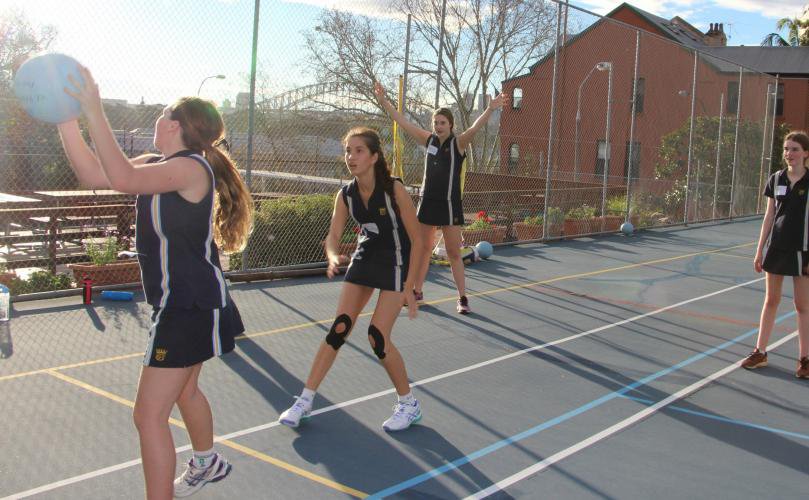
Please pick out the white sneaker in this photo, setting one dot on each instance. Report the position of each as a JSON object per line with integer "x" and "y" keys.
{"x": 404, "y": 415}
{"x": 297, "y": 412}
{"x": 195, "y": 478}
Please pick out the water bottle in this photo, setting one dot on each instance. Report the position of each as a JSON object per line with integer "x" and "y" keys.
{"x": 6, "y": 347}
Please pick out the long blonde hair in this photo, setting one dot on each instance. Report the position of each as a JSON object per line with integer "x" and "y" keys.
{"x": 203, "y": 128}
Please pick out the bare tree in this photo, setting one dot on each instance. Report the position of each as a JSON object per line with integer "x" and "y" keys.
{"x": 485, "y": 42}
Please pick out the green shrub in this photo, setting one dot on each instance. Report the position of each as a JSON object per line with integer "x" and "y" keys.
{"x": 288, "y": 231}
{"x": 555, "y": 215}
{"x": 536, "y": 220}
{"x": 583, "y": 212}
{"x": 616, "y": 205}
{"x": 40, "y": 281}
{"x": 105, "y": 252}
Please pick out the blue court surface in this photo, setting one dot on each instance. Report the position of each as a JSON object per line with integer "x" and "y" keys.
{"x": 592, "y": 368}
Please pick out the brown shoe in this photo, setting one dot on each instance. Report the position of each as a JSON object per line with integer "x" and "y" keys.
{"x": 803, "y": 368}
{"x": 756, "y": 359}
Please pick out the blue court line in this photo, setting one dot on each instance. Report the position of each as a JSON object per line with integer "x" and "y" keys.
{"x": 455, "y": 464}
{"x": 727, "y": 420}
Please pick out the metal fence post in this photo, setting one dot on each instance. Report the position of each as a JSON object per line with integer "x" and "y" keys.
{"x": 736, "y": 143}
{"x": 632, "y": 124}
{"x": 690, "y": 137}
{"x": 551, "y": 122}
{"x": 718, "y": 153}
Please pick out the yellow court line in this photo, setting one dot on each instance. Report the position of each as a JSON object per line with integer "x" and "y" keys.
{"x": 748, "y": 258}
{"x": 227, "y": 442}
{"x": 437, "y": 301}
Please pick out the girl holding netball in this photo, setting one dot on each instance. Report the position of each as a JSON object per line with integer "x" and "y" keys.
{"x": 191, "y": 201}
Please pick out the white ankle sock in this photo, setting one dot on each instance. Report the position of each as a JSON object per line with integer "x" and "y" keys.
{"x": 308, "y": 394}
{"x": 407, "y": 398}
{"x": 202, "y": 459}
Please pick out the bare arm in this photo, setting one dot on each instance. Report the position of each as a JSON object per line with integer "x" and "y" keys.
{"x": 82, "y": 159}
{"x": 766, "y": 227}
{"x": 413, "y": 130}
{"x": 339, "y": 216}
{"x": 466, "y": 137}
{"x": 178, "y": 174}
{"x": 411, "y": 223}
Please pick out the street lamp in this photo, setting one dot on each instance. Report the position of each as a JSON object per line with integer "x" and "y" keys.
{"x": 602, "y": 66}
{"x": 218, "y": 77}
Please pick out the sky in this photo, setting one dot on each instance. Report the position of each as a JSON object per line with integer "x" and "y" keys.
{"x": 157, "y": 50}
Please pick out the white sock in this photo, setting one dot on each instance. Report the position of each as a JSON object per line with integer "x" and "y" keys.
{"x": 407, "y": 398}
{"x": 308, "y": 394}
{"x": 202, "y": 459}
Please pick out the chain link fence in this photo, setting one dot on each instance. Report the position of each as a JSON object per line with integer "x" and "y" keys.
{"x": 606, "y": 124}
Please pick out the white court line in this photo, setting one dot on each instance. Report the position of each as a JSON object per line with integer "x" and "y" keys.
{"x": 361, "y": 399}
{"x": 561, "y": 455}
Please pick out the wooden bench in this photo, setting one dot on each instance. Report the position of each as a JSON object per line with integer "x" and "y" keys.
{"x": 122, "y": 216}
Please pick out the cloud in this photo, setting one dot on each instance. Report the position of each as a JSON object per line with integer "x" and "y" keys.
{"x": 775, "y": 9}
{"x": 378, "y": 8}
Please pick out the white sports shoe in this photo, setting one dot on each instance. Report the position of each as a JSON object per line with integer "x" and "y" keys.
{"x": 297, "y": 412}
{"x": 404, "y": 415}
{"x": 195, "y": 478}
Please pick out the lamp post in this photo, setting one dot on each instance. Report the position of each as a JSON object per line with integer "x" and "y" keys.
{"x": 602, "y": 66}
{"x": 218, "y": 77}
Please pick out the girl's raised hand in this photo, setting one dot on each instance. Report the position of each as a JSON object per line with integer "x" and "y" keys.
{"x": 87, "y": 94}
{"x": 379, "y": 91}
{"x": 499, "y": 101}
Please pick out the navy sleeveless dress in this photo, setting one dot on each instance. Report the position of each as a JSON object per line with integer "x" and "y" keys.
{"x": 383, "y": 248}
{"x": 440, "y": 203}
{"x": 193, "y": 317}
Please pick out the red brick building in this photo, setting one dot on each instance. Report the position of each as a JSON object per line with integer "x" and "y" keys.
{"x": 664, "y": 94}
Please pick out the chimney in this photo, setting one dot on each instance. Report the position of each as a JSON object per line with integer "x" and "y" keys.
{"x": 715, "y": 37}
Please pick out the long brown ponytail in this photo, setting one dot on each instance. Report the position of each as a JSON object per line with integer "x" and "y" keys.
{"x": 203, "y": 127}
{"x": 374, "y": 144}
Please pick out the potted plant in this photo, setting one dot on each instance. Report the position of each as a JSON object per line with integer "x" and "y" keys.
{"x": 530, "y": 228}
{"x": 581, "y": 220}
{"x": 104, "y": 267}
{"x": 616, "y": 213}
{"x": 482, "y": 229}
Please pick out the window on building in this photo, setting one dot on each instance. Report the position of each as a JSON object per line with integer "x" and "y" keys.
{"x": 779, "y": 98}
{"x": 635, "y": 160}
{"x": 733, "y": 97}
{"x": 640, "y": 93}
{"x": 601, "y": 158}
{"x": 513, "y": 157}
{"x": 516, "y": 98}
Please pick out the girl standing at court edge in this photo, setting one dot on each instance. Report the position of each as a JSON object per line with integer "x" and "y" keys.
{"x": 783, "y": 249}
{"x": 190, "y": 201}
{"x": 440, "y": 204}
{"x": 388, "y": 241}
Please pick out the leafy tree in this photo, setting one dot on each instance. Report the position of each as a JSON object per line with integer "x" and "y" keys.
{"x": 797, "y": 34}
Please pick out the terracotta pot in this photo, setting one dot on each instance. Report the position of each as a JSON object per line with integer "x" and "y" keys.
{"x": 527, "y": 231}
{"x": 613, "y": 222}
{"x": 495, "y": 234}
{"x": 107, "y": 274}
{"x": 575, "y": 227}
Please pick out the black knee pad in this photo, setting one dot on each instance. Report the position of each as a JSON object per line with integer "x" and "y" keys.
{"x": 377, "y": 341}
{"x": 337, "y": 339}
